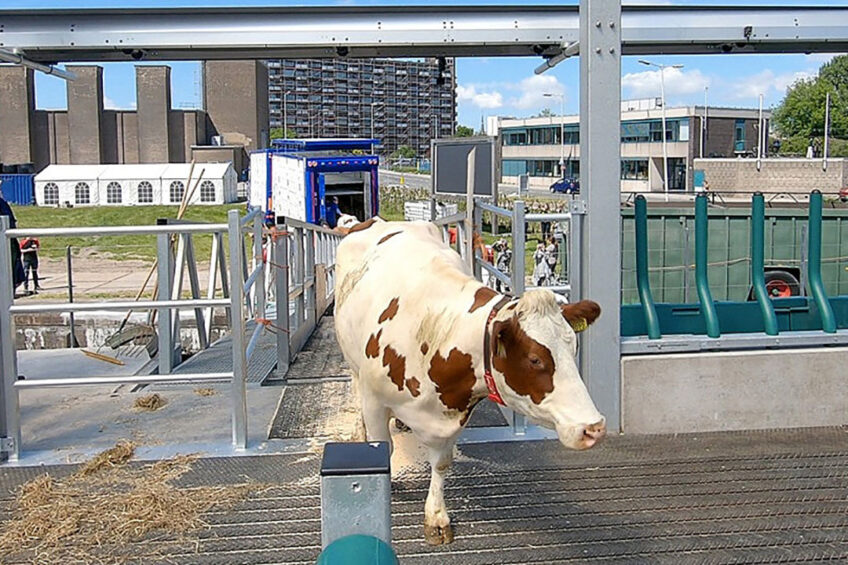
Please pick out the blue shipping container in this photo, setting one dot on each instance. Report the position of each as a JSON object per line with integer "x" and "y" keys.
{"x": 18, "y": 189}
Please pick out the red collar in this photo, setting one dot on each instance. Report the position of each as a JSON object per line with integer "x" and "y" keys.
{"x": 494, "y": 395}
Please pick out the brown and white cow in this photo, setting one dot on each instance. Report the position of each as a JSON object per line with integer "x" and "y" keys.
{"x": 422, "y": 335}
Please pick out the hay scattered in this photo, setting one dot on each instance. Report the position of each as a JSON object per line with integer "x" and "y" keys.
{"x": 205, "y": 391}
{"x": 149, "y": 403}
{"x": 96, "y": 516}
{"x": 118, "y": 455}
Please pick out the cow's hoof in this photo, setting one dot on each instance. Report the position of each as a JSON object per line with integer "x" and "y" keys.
{"x": 438, "y": 535}
{"x": 401, "y": 426}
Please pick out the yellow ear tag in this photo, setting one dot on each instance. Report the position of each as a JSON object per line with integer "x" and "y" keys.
{"x": 579, "y": 324}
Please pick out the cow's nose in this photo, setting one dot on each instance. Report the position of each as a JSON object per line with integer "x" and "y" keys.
{"x": 593, "y": 433}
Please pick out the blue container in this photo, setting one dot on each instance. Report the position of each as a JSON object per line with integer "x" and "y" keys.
{"x": 18, "y": 189}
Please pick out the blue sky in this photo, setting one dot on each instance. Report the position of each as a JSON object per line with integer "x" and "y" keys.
{"x": 501, "y": 86}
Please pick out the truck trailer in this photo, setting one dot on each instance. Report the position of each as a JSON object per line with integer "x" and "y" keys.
{"x": 300, "y": 178}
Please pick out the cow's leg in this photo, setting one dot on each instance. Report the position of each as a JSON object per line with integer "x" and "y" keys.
{"x": 437, "y": 528}
{"x": 376, "y": 418}
{"x": 359, "y": 433}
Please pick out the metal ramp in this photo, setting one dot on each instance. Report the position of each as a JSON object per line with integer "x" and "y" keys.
{"x": 218, "y": 358}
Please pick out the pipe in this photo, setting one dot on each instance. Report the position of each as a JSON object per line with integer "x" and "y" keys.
{"x": 701, "y": 279}
{"x": 814, "y": 276}
{"x": 642, "y": 281}
{"x": 10, "y": 57}
{"x": 758, "y": 280}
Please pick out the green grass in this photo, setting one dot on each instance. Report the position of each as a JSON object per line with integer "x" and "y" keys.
{"x": 119, "y": 247}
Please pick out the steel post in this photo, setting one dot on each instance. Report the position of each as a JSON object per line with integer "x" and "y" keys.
{"x": 309, "y": 278}
{"x": 600, "y": 151}
{"x": 281, "y": 291}
{"x": 519, "y": 423}
{"x": 702, "y": 282}
{"x": 164, "y": 323}
{"x": 814, "y": 275}
{"x": 298, "y": 278}
{"x": 642, "y": 279}
{"x": 477, "y": 228}
{"x": 239, "y": 398}
{"x": 258, "y": 253}
{"x": 10, "y": 412}
{"x": 73, "y": 341}
{"x": 758, "y": 218}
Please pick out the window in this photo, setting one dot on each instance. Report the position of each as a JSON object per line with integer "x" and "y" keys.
{"x": 514, "y": 168}
{"x": 145, "y": 192}
{"x": 51, "y": 193}
{"x": 113, "y": 193}
{"x": 207, "y": 191}
{"x": 177, "y": 191}
{"x": 634, "y": 169}
{"x": 82, "y": 193}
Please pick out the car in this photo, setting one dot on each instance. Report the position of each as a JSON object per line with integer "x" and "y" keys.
{"x": 566, "y": 186}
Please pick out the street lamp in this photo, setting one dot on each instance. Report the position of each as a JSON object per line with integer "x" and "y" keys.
{"x": 285, "y": 115}
{"x": 662, "y": 69}
{"x": 561, "y": 130}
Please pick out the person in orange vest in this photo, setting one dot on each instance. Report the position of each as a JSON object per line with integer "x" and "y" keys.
{"x": 29, "y": 250}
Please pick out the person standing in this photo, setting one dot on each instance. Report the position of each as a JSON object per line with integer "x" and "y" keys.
{"x": 541, "y": 270}
{"x": 17, "y": 267}
{"x": 29, "y": 250}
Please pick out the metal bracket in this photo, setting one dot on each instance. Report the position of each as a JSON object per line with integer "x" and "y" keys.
{"x": 7, "y": 445}
{"x": 578, "y": 207}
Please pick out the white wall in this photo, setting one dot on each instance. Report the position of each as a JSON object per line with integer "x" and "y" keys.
{"x": 288, "y": 178}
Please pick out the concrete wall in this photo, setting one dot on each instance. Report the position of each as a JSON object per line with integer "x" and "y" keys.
{"x": 798, "y": 176}
{"x": 728, "y": 391}
{"x": 85, "y": 114}
{"x": 153, "y": 93}
{"x": 220, "y": 154}
{"x": 17, "y": 137}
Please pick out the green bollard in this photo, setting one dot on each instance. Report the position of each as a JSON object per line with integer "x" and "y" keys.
{"x": 642, "y": 282}
{"x": 358, "y": 549}
{"x": 705, "y": 297}
{"x": 758, "y": 279}
{"x": 814, "y": 276}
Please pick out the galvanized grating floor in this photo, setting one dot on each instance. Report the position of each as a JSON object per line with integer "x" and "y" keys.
{"x": 320, "y": 356}
{"x": 757, "y": 497}
{"x": 218, "y": 357}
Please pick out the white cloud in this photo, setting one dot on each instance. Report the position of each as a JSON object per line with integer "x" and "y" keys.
{"x": 678, "y": 82}
{"x": 767, "y": 81}
{"x": 821, "y": 58}
{"x": 110, "y": 104}
{"x": 489, "y": 100}
{"x": 532, "y": 92}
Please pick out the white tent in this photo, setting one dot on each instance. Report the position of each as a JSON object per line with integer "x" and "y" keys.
{"x": 68, "y": 184}
{"x": 128, "y": 185}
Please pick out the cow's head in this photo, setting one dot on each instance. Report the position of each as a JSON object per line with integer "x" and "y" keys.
{"x": 534, "y": 346}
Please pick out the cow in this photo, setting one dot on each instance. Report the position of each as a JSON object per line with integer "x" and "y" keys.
{"x": 426, "y": 342}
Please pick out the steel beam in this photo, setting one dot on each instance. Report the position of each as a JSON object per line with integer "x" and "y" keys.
{"x": 106, "y": 34}
{"x": 600, "y": 152}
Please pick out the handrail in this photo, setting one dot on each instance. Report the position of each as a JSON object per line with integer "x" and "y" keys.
{"x": 452, "y": 219}
{"x": 642, "y": 280}
{"x": 758, "y": 263}
{"x": 814, "y": 276}
{"x": 292, "y": 223}
{"x": 495, "y": 272}
{"x": 701, "y": 279}
{"x": 556, "y": 217}
{"x": 121, "y": 379}
{"x": 247, "y": 218}
{"x": 117, "y": 230}
{"x": 118, "y": 305}
{"x": 486, "y": 207}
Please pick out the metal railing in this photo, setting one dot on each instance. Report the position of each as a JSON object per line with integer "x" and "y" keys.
{"x": 250, "y": 287}
{"x": 298, "y": 250}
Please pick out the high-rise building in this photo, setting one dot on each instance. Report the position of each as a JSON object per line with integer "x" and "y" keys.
{"x": 400, "y": 102}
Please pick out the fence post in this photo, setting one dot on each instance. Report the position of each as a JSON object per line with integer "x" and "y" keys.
{"x": 701, "y": 279}
{"x": 10, "y": 412}
{"x": 298, "y": 277}
{"x": 281, "y": 263}
{"x": 814, "y": 277}
{"x": 519, "y": 424}
{"x": 642, "y": 279}
{"x": 758, "y": 263}
{"x": 477, "y": 227}
{"x": 165, "y": 327}
{"x": 71, "y": 320}
{"x": 259, "y": 283}
{"x": 310, "y": 287}
{"x": 237, "y": 331}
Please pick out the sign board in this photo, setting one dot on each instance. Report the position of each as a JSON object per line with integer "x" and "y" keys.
{"x": 450, "y": 165}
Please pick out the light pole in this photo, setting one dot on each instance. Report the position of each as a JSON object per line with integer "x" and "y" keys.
{"x": 704, "y": 123}
{"x": 662, "y": 69}
{"x": 561, "y": 130}
{"x": 285, "y": 115}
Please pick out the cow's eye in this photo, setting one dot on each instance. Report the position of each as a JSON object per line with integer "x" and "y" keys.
{"x": 535, "y": 361}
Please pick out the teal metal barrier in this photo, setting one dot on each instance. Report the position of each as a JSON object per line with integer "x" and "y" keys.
{"x": 758, "y": 280}
{"x": 701, "y": 280}
{"x": 642, "y": 281}
{"x": 814, "y": 274}
{"x": 358, "y": 550}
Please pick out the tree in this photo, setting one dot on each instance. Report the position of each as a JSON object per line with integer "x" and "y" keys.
{"x": 545, "y": 113}
{"x": 464, "y": 131}
{"x": 277, "y": 133}
{"x": 404, "y": 152}
{"x": 799, "y": 119}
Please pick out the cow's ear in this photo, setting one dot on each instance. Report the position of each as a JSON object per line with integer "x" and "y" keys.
{"x": 581, "y": 315}
{"x": 503, "y": 333}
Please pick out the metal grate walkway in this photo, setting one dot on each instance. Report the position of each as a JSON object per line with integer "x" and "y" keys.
{"x": 757, "y": 497}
